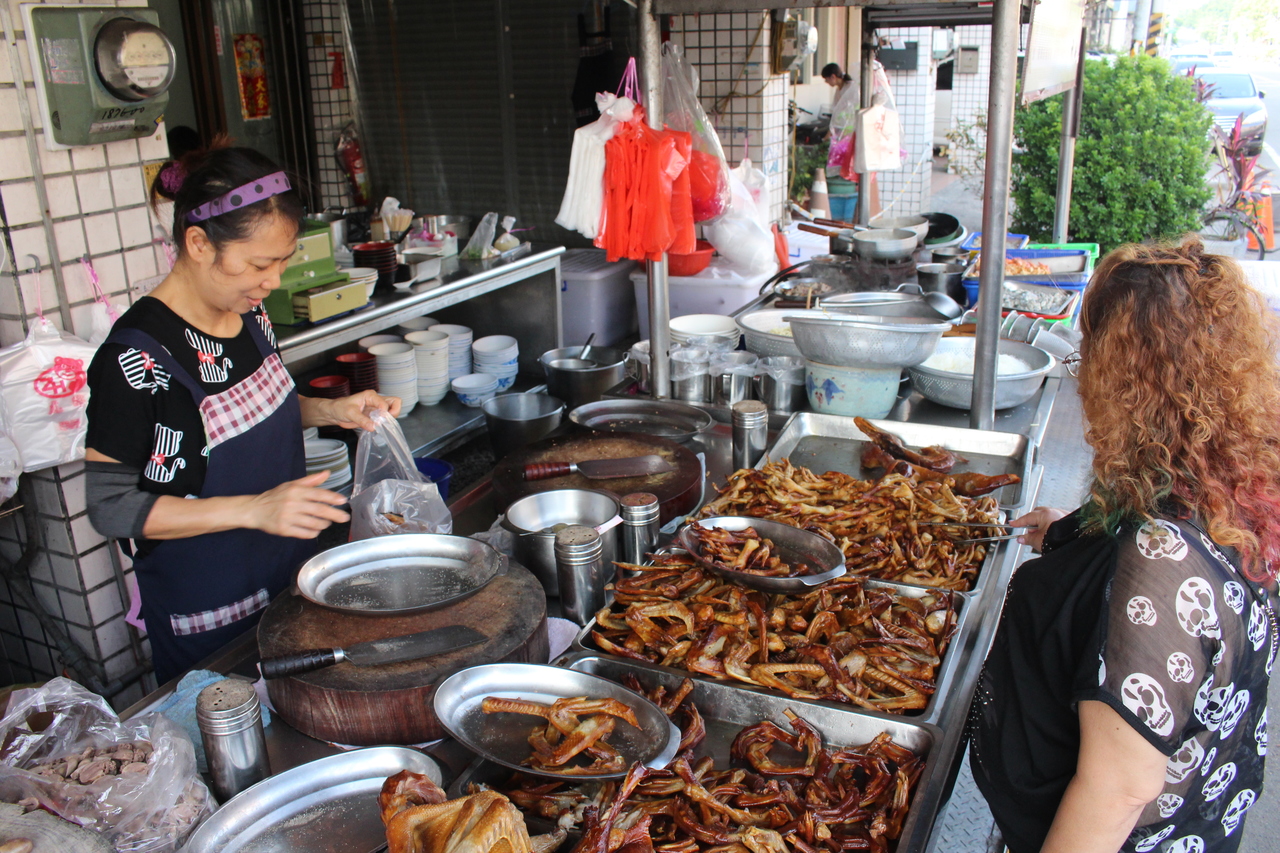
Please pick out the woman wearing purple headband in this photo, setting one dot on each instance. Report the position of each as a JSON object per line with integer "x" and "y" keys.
{"x": 194, "y": 449}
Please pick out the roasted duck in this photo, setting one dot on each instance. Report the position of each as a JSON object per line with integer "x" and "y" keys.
{"x": 934, "y": 458}
{"x": 566, "y": 736}
{"x": 745, "y": 551}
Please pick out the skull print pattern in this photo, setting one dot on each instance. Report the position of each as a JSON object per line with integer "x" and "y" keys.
{"x": 166, "y": 446}
{"x": 208, "y": 352}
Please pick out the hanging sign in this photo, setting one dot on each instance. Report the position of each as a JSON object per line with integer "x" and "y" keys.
{"x": 251, "y": 75}
{"x": 1053, "y": 49}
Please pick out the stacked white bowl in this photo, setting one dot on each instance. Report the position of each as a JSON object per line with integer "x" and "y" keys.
{"x": 475, "y": 389}
{"x": 366, "y": 276}
{"x": 459, "y": 348}
{"x": 373, "y": 340}
{"x": 431, "y": 350}
{"x": 328, "y": 454}
{"x": 417, "y": 324}
{"x": 497, "y": 355}
{"x": 397, "y": 373}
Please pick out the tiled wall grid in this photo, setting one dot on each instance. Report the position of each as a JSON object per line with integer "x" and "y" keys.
{"x": 908, "y": 190}
{"x": 746, "y": 101}
{"x": 97, "y": 203}
{"x": 329, "y": 73}
{"x": 969, "y": 95}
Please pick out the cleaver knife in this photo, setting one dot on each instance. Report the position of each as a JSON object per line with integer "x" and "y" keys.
{"x": 600, "y": 469}
{"x": 392, "y": 650}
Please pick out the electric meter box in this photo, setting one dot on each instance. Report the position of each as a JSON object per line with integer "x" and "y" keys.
{"x": 102, "y": 72}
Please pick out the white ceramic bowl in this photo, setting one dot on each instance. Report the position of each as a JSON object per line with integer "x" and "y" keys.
{"x": 428, "y": 339}
{"x": 689, "y": 325}
{"x": 495, "y": 344}
{"x": 374, "y": 340}
{"x": 418, "y": 324}
{"x": 392, "y": 348}
{"x": 867, "y": 392}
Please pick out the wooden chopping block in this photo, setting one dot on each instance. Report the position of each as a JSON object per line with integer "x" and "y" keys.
{"x": 678, "y": 491}
{"x": 391, "y": 703}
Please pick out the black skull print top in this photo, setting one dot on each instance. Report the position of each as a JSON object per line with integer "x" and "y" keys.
{"x": 140, "y": 416}
{"x": 1158, "y": 623}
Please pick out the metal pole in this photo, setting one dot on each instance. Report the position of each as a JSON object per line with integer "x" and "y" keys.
{"x": 866, "y": 80}
{"x": 1141, "y": 18}
{"x": 1154, "y": 26}
{"x": 659, "y": 296}
{"x": 1005, "y": 29}
{"x": 1067, "y": 150}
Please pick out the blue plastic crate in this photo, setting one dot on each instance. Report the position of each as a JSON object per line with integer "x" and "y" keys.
{"x": 1012, "y": 241}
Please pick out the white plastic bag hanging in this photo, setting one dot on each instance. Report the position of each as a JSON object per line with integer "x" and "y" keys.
{"x": 45, "y": 392}
{"x": 582, "y": 207}
{"x": 879, "y": 129}
{"x": 739, "y": 236}
{"x": 390, "y": 495}
{"x": 756, "y": 183}
{"x": 102, "y": 313}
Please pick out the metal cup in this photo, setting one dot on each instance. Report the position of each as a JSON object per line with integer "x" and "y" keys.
{"x": 772, "y": 385}
{"x": 733, "y": 373}
{"x": 692, "y": 366}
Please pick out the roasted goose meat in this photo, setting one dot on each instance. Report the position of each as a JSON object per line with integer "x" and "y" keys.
{"x": 419, "y": 819}
{"x": 566, "y": 735}
{"x": 817, "y": 799}
{"x": 745, "y": 551}
{"x": 844, "y": 641}
{"x": 875, "y": 523}
{"x": 934, "y": 458}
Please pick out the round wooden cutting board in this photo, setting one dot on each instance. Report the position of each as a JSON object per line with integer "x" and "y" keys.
{"x": 678, "y": 490}
{"x": 391, "y": 703}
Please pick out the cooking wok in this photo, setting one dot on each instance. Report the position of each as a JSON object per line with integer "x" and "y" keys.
{"x": 885, "y": 244}
{"x": 918, "y": 225}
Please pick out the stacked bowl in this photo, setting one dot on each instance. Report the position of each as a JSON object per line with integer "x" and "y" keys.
{"x": 328, "y": 454}
{"x": 475, "y": 389}
{"x": 368, "y": 276}
{"x": 372, "y": 340}
{"x": 380, "y": 256}
{"x": 715, "y": 332}
{"x": 397, "y": 373}
{"x": 497, "y": 355}
{"x": 459, "y": 348}
{"x": 431, "y": 351}
{"x": 417, "y": 324}
{"x": 331, "y": 387}
{"x": 361, "y": 370}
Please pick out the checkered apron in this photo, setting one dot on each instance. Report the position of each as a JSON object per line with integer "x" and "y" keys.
{"x": 200, "y": 593}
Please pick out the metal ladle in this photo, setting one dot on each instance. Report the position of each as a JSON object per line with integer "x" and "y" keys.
{"x": 582, "y": 356}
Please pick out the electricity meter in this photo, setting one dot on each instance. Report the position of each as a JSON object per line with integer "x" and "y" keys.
{"x": 102, "y": 72}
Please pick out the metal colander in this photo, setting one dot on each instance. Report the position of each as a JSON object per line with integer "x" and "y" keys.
{"x": 864, "y": 342}
{"x": 956, "y": 389}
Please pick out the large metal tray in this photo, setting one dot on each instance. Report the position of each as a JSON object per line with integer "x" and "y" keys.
{"x": 931, "y": 713}
{"x": 325, "y": 806}
{"x": 726, "y": 709}
{"x": 663, "y": 418}
{"x": 504, "y": 738}
{"x": 831, "y": 443}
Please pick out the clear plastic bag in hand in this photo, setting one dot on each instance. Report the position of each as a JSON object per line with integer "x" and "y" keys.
{"x": 389, "y": 494}
{"x": 135, "y": 782}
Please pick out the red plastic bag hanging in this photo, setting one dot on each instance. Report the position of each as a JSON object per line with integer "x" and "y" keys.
{"x": 708, "y": 169}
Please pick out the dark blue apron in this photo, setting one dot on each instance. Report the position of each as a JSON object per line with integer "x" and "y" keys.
{"x": 200, "y": 593}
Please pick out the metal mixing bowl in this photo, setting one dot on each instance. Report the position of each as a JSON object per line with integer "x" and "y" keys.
{"x": 532, "y": 517}
{"x": 956, "y": 389}
{"x": 515, "y": 420}
{"x": 866, "y": 341}
{"x": 577, "y": 382}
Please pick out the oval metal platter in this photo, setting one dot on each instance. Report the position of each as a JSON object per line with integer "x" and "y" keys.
{"x": 327, "y": 804}
{"x": 504, "y": 737}
{"x": 793, "y": 546}
{"x": 662, "y": 418}
{"x": 397, "y": 575}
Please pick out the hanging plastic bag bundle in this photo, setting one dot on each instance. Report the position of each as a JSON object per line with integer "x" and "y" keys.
{"x": 389, "y": 494}
{"x": 582, "y": 207}
{"x": 756, "y": 183}
{"x": 844, "y": 126}
{"x": 708, "y": 169}
{"x": 740, "y": 236}
{"x": 879, "y": 129}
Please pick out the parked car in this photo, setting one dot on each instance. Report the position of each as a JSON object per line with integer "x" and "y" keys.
{"x": 1233, "y": 94}
{"x": 1182, "y": 64}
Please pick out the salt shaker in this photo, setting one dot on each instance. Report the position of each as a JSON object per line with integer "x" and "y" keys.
{"x": 580, "y": 571}
{"x": 230, "y": 719}
{"x": 750, "y": 432}
{"x": 639, "y": 526}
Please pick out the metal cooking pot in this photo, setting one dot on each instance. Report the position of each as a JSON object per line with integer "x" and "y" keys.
{"x": 885, "y": 244}
{"x": 531, "y": 519}
{"x": 942, "y": 278}
{"x": 578, "y": 381}
{"x": 915, "y": 224}
{"x": 438, "y": 223}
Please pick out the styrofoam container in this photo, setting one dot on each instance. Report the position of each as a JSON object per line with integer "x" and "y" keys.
{"x": 596, "y": 297}
{"x": 719, "y": 289}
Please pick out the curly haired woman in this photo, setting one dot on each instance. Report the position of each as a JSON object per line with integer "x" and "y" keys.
{"x": 1123, "y": 704}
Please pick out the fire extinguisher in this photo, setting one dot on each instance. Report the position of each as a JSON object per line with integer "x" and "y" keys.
{"x": 351, "y": 161}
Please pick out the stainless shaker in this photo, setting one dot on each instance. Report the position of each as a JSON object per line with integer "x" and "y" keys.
{"x": 230, "y": 719}
{"x": 750, "y": 432}
{"x": 639, "y": 526}
{"x": 581, "y": 573}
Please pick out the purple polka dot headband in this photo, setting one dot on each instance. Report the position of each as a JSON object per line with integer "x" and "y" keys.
{"x": 254, "y": 191}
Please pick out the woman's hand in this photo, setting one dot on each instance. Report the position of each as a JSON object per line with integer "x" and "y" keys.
{"x": 298, "y": 508}
{"x": 1038, "y": 520}
{"x": 348, "y": 412}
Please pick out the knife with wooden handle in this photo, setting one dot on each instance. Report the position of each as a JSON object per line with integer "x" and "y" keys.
{"x": 391, "y": 650}
{"x": 600, "y": 469}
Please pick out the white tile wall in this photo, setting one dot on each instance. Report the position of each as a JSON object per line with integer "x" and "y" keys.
{"x": 909, "y": 189}
{"x": 969, "y": 93}
{"x": 97, "y": 203}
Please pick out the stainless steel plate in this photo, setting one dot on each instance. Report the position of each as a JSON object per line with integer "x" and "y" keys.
{"x": 409, "y": 573}
{"x": 726, "y": 709}
{"x": 793, "y": 546}
{"x": 326, "y": 806}
{"x": 504, "y": 738}
{"x": 662, "y": 418}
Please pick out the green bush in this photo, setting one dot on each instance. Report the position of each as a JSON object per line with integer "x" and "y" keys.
{"x": 1141, "y": 157}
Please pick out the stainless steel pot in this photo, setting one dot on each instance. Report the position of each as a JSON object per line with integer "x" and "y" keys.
{"x": 942, "y": 278}
{"x": 884, "y": 244}
{"x": 949, "y": 255}
{"x": 578, "y": 381}
{"x": 514, "y": 420}
{"x": 438, "y": 223}
{"x": 337, "y": 222}
{"x": 532, "y": 518}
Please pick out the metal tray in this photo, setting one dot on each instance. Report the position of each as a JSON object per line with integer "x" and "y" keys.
{"x": 330, "y": 804}
{"x": 663, "y": 418}
{"x": 832, "y": 443}
{"x": 397, "y": 575}
{"x": 794, "y": 545}
{"x": 726, "y": 709}
{"x": 503, "y": 738}
{"x": 942, "y": 685}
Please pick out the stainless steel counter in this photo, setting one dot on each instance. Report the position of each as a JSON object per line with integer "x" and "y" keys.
{"x": 474, "y": 510}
